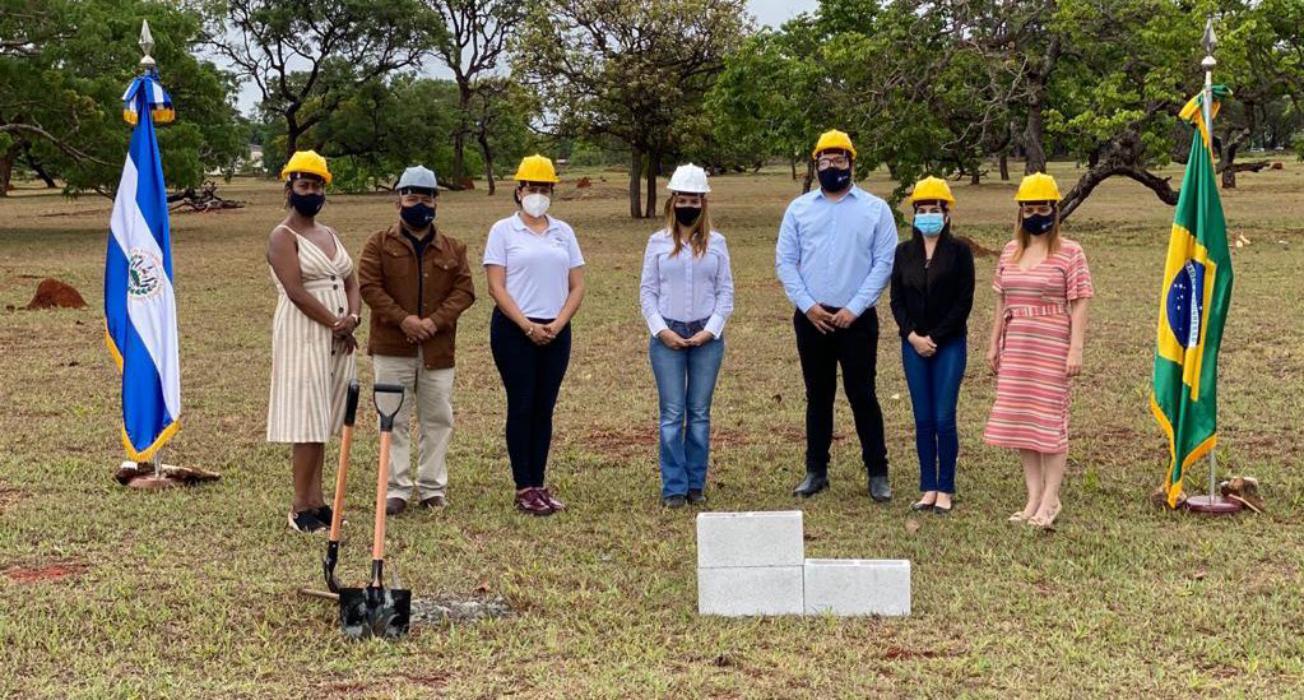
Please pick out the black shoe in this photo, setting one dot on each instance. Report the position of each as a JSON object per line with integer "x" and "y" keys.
{"x": 811, "y": 485}
{"x": 305, "y": 521}
{"x": 394, "y": 506}
{"x": 696, "y": 497}
{"x": 674, "y": 501}
{"x": 938, "y": 510}
{"x": 879, "y": 489}
{"x": 921, "y": 506}
{"x": 325, "y": 514}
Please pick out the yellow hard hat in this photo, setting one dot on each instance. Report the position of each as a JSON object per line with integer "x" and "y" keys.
{"x": 536, "y": 168}
{"x": 306, "y": 162}
{"x": 833, "y": 140}
{"x": 932, "y": 189}
{"x": 1038, "y": 187}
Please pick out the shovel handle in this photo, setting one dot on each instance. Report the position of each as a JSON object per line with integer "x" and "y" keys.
{"x": 382, "y": 484}
{"x": 387, "y": 417}
{"x": 351, "y": 404}
{"x": 341, "y": 476}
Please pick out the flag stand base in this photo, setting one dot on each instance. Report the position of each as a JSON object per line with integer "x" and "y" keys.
{"x": 1212, "y": 505}
{"x": 143, "y": 476}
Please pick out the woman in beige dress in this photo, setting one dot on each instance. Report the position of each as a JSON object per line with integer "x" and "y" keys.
{"x": 312, "y": 335}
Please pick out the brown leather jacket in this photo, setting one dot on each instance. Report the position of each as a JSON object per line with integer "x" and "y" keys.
{"x": 394, "y": 288}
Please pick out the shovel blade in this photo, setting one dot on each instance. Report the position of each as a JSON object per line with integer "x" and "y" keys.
{"x": 375, "y": 612}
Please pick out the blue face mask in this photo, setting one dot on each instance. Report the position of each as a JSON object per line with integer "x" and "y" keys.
{"x": 930, "y": 224}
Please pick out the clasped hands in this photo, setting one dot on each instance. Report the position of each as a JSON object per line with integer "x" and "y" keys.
{"x": 674, "y": 341}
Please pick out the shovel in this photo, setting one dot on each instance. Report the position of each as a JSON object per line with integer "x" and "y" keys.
{"x": 376, "y": 611}
{"x": 341, "y": 477}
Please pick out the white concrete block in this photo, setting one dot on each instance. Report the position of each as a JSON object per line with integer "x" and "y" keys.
{"x": 847, "y": 587}
{"x": 750, "y": 590}
{"x": 772, "y": 538}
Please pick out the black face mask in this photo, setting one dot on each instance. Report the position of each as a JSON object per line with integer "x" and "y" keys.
{"x": 1039, "y": 224}
{"x": 307, "y": 204}
{"x": 687, "y": 216}
{"x": 835, "y": 179}
{"x": 418, "y": 216}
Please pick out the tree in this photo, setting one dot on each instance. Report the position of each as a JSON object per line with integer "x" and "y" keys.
{"x": 307, "y": 58}
{"x": 63, "y": 68}
{"x": 629, "y": 70}
{"x": 472, "y": 39}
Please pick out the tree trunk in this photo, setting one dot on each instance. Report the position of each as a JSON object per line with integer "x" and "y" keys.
{"x": 1004, "y": 162}
{"x": 460, "y": 132}
{"x": 635, "y": 182}
{"x": 36, "y": 167}
{"x": 793, "y": 163}
{"x": 292, "y": 132}
{"x": 1034, "y": 132}
{"x": 7, "y": 168}
{"x": 488, "y": 155}
{"x": 810, "y": 176}
{"x": 653, "y": 165}
{"x": 975, "y": 176}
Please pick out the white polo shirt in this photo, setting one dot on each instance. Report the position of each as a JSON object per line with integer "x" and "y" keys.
{"x": 538, "y": 265}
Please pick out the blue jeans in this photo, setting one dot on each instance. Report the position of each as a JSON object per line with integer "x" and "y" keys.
{"x": 685, "y": 383}
{"x": 934, "y": 390}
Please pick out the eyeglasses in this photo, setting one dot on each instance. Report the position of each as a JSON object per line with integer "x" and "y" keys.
{"x": 826, "y": 162}
{"x": 1039, "y": 209}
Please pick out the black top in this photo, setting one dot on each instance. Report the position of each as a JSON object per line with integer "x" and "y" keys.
{"x": 933, "y": 297}
{"x": 419, "y": 246}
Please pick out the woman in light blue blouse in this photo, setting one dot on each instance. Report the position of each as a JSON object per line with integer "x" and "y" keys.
{"x": 687, "y": 295}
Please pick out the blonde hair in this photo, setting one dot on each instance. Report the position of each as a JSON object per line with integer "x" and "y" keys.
{"x": 1021, "y": 237}
{"x": 698, "y": 238}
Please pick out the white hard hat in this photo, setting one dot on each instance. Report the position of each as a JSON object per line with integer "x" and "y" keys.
{"x": 417, "y": 176}
{"x": 689, "y": 179}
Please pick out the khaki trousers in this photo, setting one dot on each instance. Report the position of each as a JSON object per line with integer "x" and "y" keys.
{"x": 430, "y": 391}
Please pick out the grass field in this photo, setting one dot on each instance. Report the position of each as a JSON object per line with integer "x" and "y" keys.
{"x": 191, "y": 593}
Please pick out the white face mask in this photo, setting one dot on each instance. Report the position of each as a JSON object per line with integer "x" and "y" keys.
{"x": 535, "y": 205}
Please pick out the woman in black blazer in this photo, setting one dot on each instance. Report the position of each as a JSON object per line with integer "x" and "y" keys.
{"x": 932, "y": 294}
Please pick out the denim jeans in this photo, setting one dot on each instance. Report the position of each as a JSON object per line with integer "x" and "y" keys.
{"x": 934, "y": 390}
{"x": 685, "y": 383}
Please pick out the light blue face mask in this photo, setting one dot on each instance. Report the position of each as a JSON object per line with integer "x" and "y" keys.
{"x": 930, "y": 224}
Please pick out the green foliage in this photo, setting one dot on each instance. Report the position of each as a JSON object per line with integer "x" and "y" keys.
{"x": 68, "y": 79}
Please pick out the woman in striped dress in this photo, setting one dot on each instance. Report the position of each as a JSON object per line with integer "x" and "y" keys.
{"x": 1042, "y": 284}
{"x": 312, "y": 335}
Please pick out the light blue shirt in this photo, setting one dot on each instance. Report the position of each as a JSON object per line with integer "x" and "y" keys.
{"x": 836, "y": 253}
{"x": 685, "y": 287}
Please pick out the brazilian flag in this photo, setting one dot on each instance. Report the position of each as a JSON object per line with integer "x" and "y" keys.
{"x": 1193, "y": 302}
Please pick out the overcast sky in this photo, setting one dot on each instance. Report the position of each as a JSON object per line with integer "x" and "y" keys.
{"x": 767, "y": 12}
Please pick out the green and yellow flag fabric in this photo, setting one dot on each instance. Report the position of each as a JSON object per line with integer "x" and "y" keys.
{"x": 1193, "y": 302}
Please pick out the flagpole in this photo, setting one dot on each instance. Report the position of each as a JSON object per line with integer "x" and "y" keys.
{"x": 1209, "y": 62}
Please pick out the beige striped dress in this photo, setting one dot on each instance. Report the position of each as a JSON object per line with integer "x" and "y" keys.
{"x": 310, "y": 372}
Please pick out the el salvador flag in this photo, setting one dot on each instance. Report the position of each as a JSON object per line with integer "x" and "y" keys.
{"x": 140, "y": 310}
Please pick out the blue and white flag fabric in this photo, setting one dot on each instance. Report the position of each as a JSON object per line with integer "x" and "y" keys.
{"x": 140, "y": 311}
{"x": 156, "y": 99}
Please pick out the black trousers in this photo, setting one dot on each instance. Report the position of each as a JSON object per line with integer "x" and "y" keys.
{"x": 532, "y": 376}
{"x": 856, "y": 349}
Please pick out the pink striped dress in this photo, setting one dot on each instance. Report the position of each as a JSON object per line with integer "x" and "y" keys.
{"x": 1032, "y": 387}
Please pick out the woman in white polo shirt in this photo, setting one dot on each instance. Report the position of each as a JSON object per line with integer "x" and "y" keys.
{"x": 536, "y": 278}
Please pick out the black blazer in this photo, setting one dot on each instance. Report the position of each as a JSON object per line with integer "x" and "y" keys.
{"x": 934, "y": 299}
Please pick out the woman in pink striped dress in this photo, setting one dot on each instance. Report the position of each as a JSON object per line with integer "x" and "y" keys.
{"x": 1042, "y": 285}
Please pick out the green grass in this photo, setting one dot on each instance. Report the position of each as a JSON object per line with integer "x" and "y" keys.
{"x": 191, "y": 593}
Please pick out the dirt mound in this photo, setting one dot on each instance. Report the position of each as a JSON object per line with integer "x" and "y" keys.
{"x": 584, "y": 183}
{"x": 977, "y": 248}
{"x": 53, "y": 294}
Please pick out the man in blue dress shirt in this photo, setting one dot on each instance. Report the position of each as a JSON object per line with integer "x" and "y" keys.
{"x": 834, "y": 257}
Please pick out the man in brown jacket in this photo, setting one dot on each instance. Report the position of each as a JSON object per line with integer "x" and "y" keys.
{"x": 417, "y": 281}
